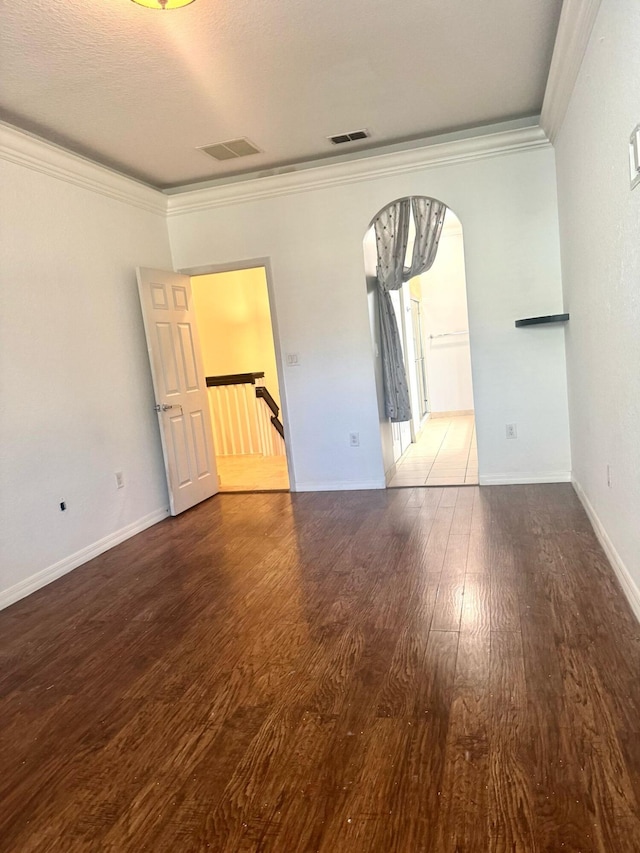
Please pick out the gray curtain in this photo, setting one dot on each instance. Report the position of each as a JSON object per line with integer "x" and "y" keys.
{"x": 428, "y": 215}
{"x": 392, "y": 232}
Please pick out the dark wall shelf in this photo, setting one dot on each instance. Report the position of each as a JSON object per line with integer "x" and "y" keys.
{"x": 538, "y": 321}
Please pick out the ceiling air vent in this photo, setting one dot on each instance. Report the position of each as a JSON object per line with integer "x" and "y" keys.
{"x": 352, "y": 136}
{"x": 230, "y": 150}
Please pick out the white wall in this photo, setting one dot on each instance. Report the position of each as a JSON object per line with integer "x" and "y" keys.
{"x": 600, "y": 237}
{"x": 444, "y": 309}
{"x": 76, "y": 392}
{"x": 507, "y": 206}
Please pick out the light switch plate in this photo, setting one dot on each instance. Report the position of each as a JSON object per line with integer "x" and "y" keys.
{"x": 634, "y": 156}
{"x": 293, "y": 359}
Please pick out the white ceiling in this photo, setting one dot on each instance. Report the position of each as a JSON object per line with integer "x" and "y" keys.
{"x": 138, "y": 89}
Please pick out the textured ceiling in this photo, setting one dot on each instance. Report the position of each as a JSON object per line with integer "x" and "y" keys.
{"x": 139, "y": 89}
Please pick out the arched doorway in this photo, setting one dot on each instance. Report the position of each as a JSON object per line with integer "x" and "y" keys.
{"x": 435, "y": 445}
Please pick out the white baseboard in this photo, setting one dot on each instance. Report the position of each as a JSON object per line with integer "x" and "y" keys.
{"x": 524, "y": 479}
{"x": 454, "y": 413}
{"x": 338, "y": 486}
{"x": 62, "y": 567}
{"x": 627, "y": 583}
{"x": 390, "y": 474}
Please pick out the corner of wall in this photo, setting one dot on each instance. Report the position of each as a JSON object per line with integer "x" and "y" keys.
{"x": 629, "y": 587}
{"x": 40, "y": 579}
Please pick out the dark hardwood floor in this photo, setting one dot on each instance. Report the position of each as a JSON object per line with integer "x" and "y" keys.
{"x": 429, "y": 670}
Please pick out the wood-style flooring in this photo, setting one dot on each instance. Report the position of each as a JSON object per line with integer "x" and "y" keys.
{"x": 252, "y": 473}
{"x": 404, "y": 671}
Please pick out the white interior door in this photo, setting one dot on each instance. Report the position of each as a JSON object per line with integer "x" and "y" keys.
{"x": 180, "y": 387}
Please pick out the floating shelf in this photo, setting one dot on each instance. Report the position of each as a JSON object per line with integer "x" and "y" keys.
{"x": 538, "y": 321}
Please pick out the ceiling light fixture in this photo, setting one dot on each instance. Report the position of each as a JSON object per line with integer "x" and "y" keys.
{"x": 163, "y": 4}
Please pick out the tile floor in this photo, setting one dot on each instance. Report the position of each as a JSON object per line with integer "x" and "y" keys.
{"x": 444, "y": 455}
{"x": 252, "y": 473}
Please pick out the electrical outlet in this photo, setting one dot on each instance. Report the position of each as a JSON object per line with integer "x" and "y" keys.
{"x": 511, "y": 430}
{"x": 609, "y": 476}
{"x": 120, "y": 479}
{"x": 354, "y": 439}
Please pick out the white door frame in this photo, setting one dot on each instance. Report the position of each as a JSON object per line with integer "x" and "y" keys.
{"x": 248, "y": 264}
{"x": 423, "y": 344}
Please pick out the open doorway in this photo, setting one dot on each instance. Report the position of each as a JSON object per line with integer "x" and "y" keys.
{"x": 239, "y": 359}
{"x": 436, "y": 445}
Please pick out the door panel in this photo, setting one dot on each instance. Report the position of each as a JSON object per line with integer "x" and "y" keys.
{"x": 180, "y": 298}
{"x": 180, "y": 450}
{"x": 169, "y": 382}
{"x": 181, "y": 394}
{"x": 188, "y": 357}
{"x": 199, "y": 435}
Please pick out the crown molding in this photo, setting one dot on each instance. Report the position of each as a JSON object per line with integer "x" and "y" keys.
{"x": 574, "y": 31}
{"x": 376, "y": 166}
{"x": 24, "y": 149}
